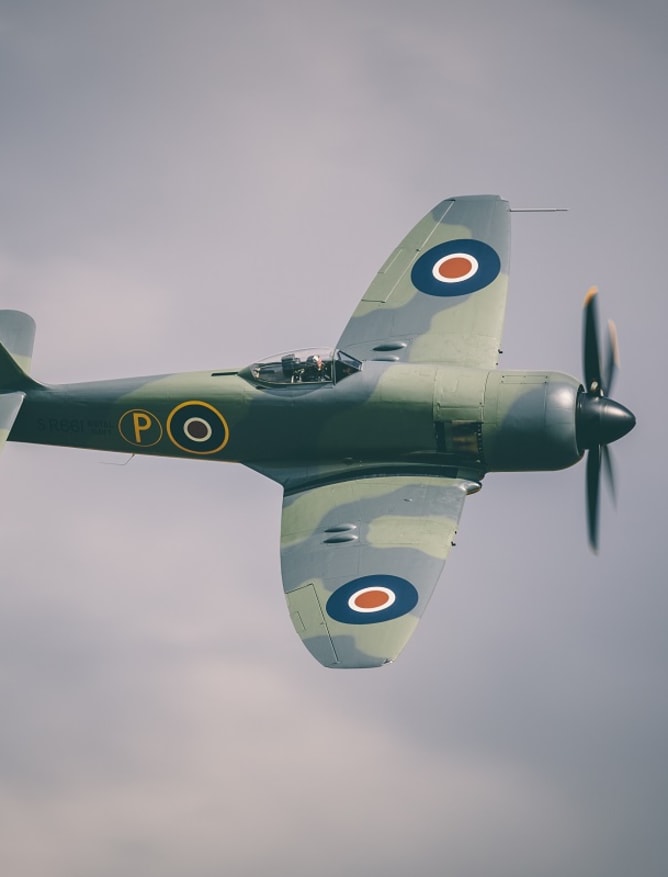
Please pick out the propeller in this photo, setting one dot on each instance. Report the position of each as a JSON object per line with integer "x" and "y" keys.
{"x": 599, "y": 419}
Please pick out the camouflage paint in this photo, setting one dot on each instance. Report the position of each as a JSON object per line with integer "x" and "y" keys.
{"x": 376, "y": 466}
{"x": 396, "y": 526}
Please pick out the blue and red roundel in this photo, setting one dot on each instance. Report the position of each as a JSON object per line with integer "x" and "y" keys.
{"x": 456, "y": 268}
{"x": 371, "y": 599}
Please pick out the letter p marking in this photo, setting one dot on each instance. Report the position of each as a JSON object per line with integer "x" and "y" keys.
{"x": 140, "y": 428}
{"x": 141, "y": 422}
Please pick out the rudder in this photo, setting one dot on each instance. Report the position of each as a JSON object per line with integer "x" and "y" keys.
{"x": 17, "y": 337}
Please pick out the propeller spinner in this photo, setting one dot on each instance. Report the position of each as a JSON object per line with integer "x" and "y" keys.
{"x": 599, "y": 420}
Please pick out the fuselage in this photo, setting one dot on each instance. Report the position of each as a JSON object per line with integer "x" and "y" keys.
{"x": 387, "y": 414}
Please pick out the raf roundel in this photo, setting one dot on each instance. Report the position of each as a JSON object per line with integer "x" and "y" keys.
{"x": 371, "y": 599}
{"x": 456, "y": 268}
{"x": 198, "y": 428}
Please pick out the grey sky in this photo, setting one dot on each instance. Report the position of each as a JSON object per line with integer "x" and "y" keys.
{"x": 186, "y": 186}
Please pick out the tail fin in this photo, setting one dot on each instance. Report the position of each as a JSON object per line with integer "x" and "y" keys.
{"x": 17, "y": 336}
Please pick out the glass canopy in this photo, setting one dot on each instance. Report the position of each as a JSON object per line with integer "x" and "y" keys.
{"x": 312, "y": 366}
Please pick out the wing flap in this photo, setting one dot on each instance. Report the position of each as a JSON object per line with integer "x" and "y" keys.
{"x": 360, "y": 560}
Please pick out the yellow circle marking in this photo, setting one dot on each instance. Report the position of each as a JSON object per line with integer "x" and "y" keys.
{"x": 141, "y": 422}
{"x": 204, "y": 405}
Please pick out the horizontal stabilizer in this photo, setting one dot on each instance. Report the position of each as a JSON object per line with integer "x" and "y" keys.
{"x": 10, "y": 404}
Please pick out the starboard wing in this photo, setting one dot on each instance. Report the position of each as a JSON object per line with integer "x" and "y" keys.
{"x": 441, "y": 295}
{"x": 360, "y": 560}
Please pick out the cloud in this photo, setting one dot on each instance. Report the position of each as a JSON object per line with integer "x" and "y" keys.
{"x": 199, "y": 188}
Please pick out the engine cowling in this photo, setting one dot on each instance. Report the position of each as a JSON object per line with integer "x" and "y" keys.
{"x": 529, "y": 421}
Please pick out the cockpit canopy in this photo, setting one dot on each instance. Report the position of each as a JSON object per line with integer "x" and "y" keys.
{"x": 312, "y": 366}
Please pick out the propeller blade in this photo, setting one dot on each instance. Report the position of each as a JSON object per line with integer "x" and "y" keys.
{"x": 609, "y": 471}
{"x": 599, "y": 420}
{"x": 593, "y": 472}
{"x": 612, "y": 363}
{"x": 591, "y": 357}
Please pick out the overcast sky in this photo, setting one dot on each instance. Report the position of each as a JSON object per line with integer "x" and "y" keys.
{"x": 202, "y": 184}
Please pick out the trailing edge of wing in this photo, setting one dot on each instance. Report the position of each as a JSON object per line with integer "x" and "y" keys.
{"x": 360, "y": 560}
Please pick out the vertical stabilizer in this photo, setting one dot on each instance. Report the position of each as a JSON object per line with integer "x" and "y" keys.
{"x": 17, "y": 336}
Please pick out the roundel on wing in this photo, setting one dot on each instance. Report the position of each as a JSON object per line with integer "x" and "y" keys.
{"x": 371, "y": 599}
{"x": 198, "y": 428}
{"x": 456, "y": 268}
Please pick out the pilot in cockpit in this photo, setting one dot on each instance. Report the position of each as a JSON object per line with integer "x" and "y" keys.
{"x": 314, "y": 369}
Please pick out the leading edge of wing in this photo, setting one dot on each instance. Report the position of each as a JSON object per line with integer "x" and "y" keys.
{"x": 441, "y": 294}
{"x": 360, "y": 560}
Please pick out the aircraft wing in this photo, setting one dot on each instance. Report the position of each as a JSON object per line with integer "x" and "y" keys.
{"x": 441, "y": 295}
{"x": 360, "y": 559}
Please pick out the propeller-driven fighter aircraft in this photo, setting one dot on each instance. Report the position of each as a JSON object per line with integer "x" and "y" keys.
{"x": 376, "y": 443}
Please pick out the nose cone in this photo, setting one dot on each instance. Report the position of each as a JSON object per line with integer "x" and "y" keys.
{"x": 601, "y": 421}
